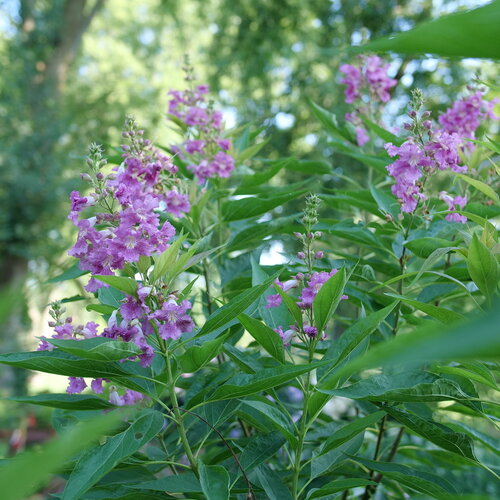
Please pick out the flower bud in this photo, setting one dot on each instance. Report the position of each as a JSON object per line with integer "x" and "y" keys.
{"x": 301, "y": 255}
{"x": 319, "y": 254}
{"x": 427, "y": 124}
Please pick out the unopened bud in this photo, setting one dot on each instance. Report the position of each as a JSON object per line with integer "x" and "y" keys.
{"x": 427, "y": 124}
{"x": 301, "y": 255}
{"x": 319, "y": 254}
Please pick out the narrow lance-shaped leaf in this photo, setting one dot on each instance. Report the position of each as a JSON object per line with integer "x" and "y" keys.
{"x": 126, "y": 285}
{"x": 97, "y": 462}
{"x": 328, "y": 298}
{"x": 244, "y": 385}
{"x": 66, "y": 401}
{"x": 483, "y": 267}
{"x": 197, "y": 356}
{"x": 214, "y": 480}
{"x": 236, "y": 306}
{"x": 26, "y": 473}
{"x": 421, "y": 481}
{"x": 98, "y": 348}
{"x": 265, "y": 336}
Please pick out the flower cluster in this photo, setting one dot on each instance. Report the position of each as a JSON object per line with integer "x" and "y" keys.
{"x": 205, "y": 149}
{"x": 465, "y": 115}
{"x": 430, "y": 148}
{"x": 141, "y": 315}
{"x": 309, "y": 283}
{"x": 131, "y": 198}
{"x": 369, "y": 80}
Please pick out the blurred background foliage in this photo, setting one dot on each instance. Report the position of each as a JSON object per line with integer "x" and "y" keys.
{"x": 72, "y": 70}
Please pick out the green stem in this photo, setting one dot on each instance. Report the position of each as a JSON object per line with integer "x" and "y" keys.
{"x": 297, "y": 467}
{"x": 178, "y": 416}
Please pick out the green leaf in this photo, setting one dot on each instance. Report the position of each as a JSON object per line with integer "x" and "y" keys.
{"x": 269, "y": 170}
{"x": 234, "y": 308}
{"x": 250, "y": 152}
{"x": 66, "y": 401}
{"x": 446, "y": 316}
{"x": 409, "y": 386}
{"x": 167, "y": 259}
{"x": 126, "y": 285}
{"x": 483, "y": 267}
{"x": 472, "y": 33}
{"x": 423, "y": 482}
{"x": 98, "y": 348}
{"x": 71, "y": 273}
{"x": 434, "y": 432}
{"x": 349, "y": 431}
{"x": 329, "y": 121}
{"x": 272, "y": 483}
{"x": 97, "y": 462}
{"x": 260, "y": 448}
{"x": 183, "y": 483}
{"x": 255, "y": 205}
{"x": 292, "y": 306}
{"x": 310, "y": 167}
{"x": 424, "y": 247}
{"x": 381, "y": 132}
{"x": 326, "y": 462}
{"x": 479, "y": 185}
{"x": 269, "y": 415}
{"x": 338, "y": 486}
{"x": 62, "y": 363}
{"x": 198, "y": 356}
{"x": 342, "y": 348}
{"x": 328, "y": 298}
{"x": 214, "y": 480}
{"x": 246, "y": 384}
{"x": 265, "y": 336}
{"x": 386, "y": 202}
{"x": 26, "y": 473}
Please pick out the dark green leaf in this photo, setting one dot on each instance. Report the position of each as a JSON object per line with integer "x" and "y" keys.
{"x": 66, "y": 401}
{"x": 265, "y": 336}
{"x": 183, "y": 483}
{"x": 214, "y": 480}
{"x": 424, "y": 247}
{"x": 98, "y": 348}
{"x": 126, "y": 285}
{"x": 437, "y": 433}
{"x": 423, "y": 482}
{"x": 97, "y": 462}
{"x": 235, "y": 307}
{"x": 260, "y": 448}
{"x": 244, "y": 385}
{"x": 326, "y": 301}
{"x": 197, "y": 356}
{"x": 471, "y": 33}
{"x": 349, "y": 431}
{"x": 26, "y": 473}
{"x": 254, "y": 206}
{"x": 337, "y": 486}
{"x": 483, "y": 267}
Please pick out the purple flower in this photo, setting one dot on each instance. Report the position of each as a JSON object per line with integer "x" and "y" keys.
{"x": 76, "y": 385}
{"x": 131, "y": 309}
{"x": 456, "y": 203}
{"x": 465, "y": 115}
{"x": 316, "y": 281}
{"x": 353, "y": 82}
{"x": 375, "y": 73}
{"x": 177, "y": 203}
{"x": 406, "y": 172}
{"x": 173, "y": 318}
{"x": 274, "y": 300}
{"x": 310, "y": 331}
{"x": 362, "y": 136}
{"x": 96, "y": 385}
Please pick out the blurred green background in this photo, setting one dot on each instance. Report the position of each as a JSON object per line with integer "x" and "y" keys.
{"x": 72, "y": 70}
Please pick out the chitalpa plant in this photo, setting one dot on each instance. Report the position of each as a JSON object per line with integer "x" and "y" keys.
{"x": 334, "y": 375}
